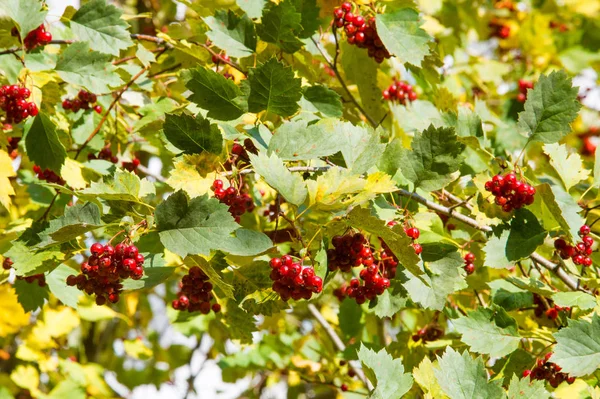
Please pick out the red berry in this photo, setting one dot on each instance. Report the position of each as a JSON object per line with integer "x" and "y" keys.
{"x": 97, "y": 248}
{"x": 469, "y": 257}
{"x": 346, "y": 6}
{"x": 344, "y": 387}
{"x": 413, "y": 233}
{"x": 584, "y": 230}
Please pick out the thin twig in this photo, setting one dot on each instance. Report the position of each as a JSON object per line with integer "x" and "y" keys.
{"x": 147, "y": 172}
{"x": 112, "y": 105}
{"x": 337, "y": 341}
{"x": 333, "y": 66}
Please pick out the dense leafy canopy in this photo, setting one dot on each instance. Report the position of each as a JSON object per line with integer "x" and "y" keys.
{"x": 385, "y": 199}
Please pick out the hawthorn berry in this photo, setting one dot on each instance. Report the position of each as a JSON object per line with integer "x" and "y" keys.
{"x": 580, "y": 252}
{"x": 239, "y": 202}
{"x": 360, "y": 31}
{"x": 84, "y": 100}
{"x": 524, "y": 85}
{"x": 37, "y": 37}
{"x": 195, "y": 293}
{"x": 48, "y": 175}
{"x": 292, "y": 280}
{"x": 102, "y": 273}
{"x": 400, "y": 92}
{"x": 544, "y": 369}
{"x": 510, "y": 192}
{"x": 7, "y": 263}
{"x": 344, "y": 387}
{"x": 13, "y": 103}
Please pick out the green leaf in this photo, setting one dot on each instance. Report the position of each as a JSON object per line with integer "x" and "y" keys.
{"x": 290, "y": 185}
{"x": 296, "y": 141}
{"x": 100, "y": 25}
{"x": 246, "y": 243}
{"x": 445, "y": 278}
{"x": 562, "y": 208}
{"x": 193, "y": 135}
{"x": 569, "y": 299}
{"x": 489, "y": 331}
{"x": 391, "y": 301}
{"x": 57, "y": 282}
{"x": 281, "y": 25}
{"x": 43, "y": 145}
{"x": 396, "y": 239}
{"x": 495, "y": 251}
{"x": 125, "y": 186}
{"x": 532, "y": 284}
{"x": 462, "y": 377}
{"x": 254, "y": 8}
{"x": 216, "y": 94}
{"x": 310, "y": 17}
{"x": 77, "y": 220}
{"x": 597, "y": 169}
{"x": 526, "y": 234}
{"x": 214, "y": 277}
{"x": 386, "y": 373}
{"x": 234, "y": 34}
{"x": 249, "y": 278}
{"x": 93, "y": 70}
{"x": 508, "y": 296}
{"x": 241, "y": 324}
{"x": 401, "y": 34}
{"x": 577, "y": 348}
{"x": 527, "y": 388}
{"x": 67, "y": 389}
{"x": 196, "y": 226}
{"x": 361, "y": 146}
{"x": 364, "y": 77}
{"x": 434, "y": 160}
{"x": 319, "y": 98}
{"x": 31, "y": 296}
{"x": 28, "y": 262}
{"x": 550, "y": 108}
{"x": 350, "y": 318}
{"x": 27, "y": 14}
{"x": 568, "y": 166}
{"x": 273, "y": 88}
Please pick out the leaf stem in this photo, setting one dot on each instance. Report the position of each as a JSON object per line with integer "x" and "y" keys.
{"x": 333, "y": 66}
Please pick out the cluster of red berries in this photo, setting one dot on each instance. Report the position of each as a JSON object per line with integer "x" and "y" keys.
{"x": 13, "y": 146}
{"x": 499, "y": 29}
{"x": 238, "y": 202}
{"x": 292, "y": 280}
{"x": 399, "y": 91}
{"x": 85, "y": 100}
{"x": 40, "y": 278}
{"x": 523, "y": 86}
{"x": 12, "y": 102}
{"x": 340, "y": 292}
{"x": 239, "y": 152}
{"x": 510, "y": 192}
{"x": 37, "y": 37}
{"x": 195, "y": 293}
{"x": 360, "y": 32}
{"x": 469, "y": 266}
{"x": 580, "y": 253}
{"x": 105, "y": 153}
{"x": 561, "y": 27}
{"x": 131, "y": 166}
{"x": 546, "y": 370}
{"x": 431, "y": 332}
{"x": 103, "y": 271}
{"x": 350, "y": 250}
{"x": 551, "y": 312}
{"x": 48, "y": 175}
{"x": 373, "y": 284}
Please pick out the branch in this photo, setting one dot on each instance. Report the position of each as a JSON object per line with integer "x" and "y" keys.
{"x": 291, "y": 169}
{"x": 337, "y": 341}
{"x": 113, "y": 103}
{"x": 560, "y": 273}
{"x": 333, "y": 66}
{"x": 147, "y": 172}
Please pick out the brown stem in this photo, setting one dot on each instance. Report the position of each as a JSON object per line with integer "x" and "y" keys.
{"x": 333, "y": 66}
{"x": 112, "y": 105}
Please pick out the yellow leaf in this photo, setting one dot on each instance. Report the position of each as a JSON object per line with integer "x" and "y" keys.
{"x": 131, "y": 303}
{"x": 6, "y": 171}
{"x": 334, "y": 189}
{"x": 94, "y": 312}
{"x": 589, "y": 8}
{"x": 60, "y": 322}
{"x": 194, "y": 174}
{"x": 26, "y": 377}
{"x": 12, "y": 315}
{"x": 425, "y": 377}
{"x": 72, "y": 173}
{"x": 137, "y": 349}
{"x": 568, "y": 166}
